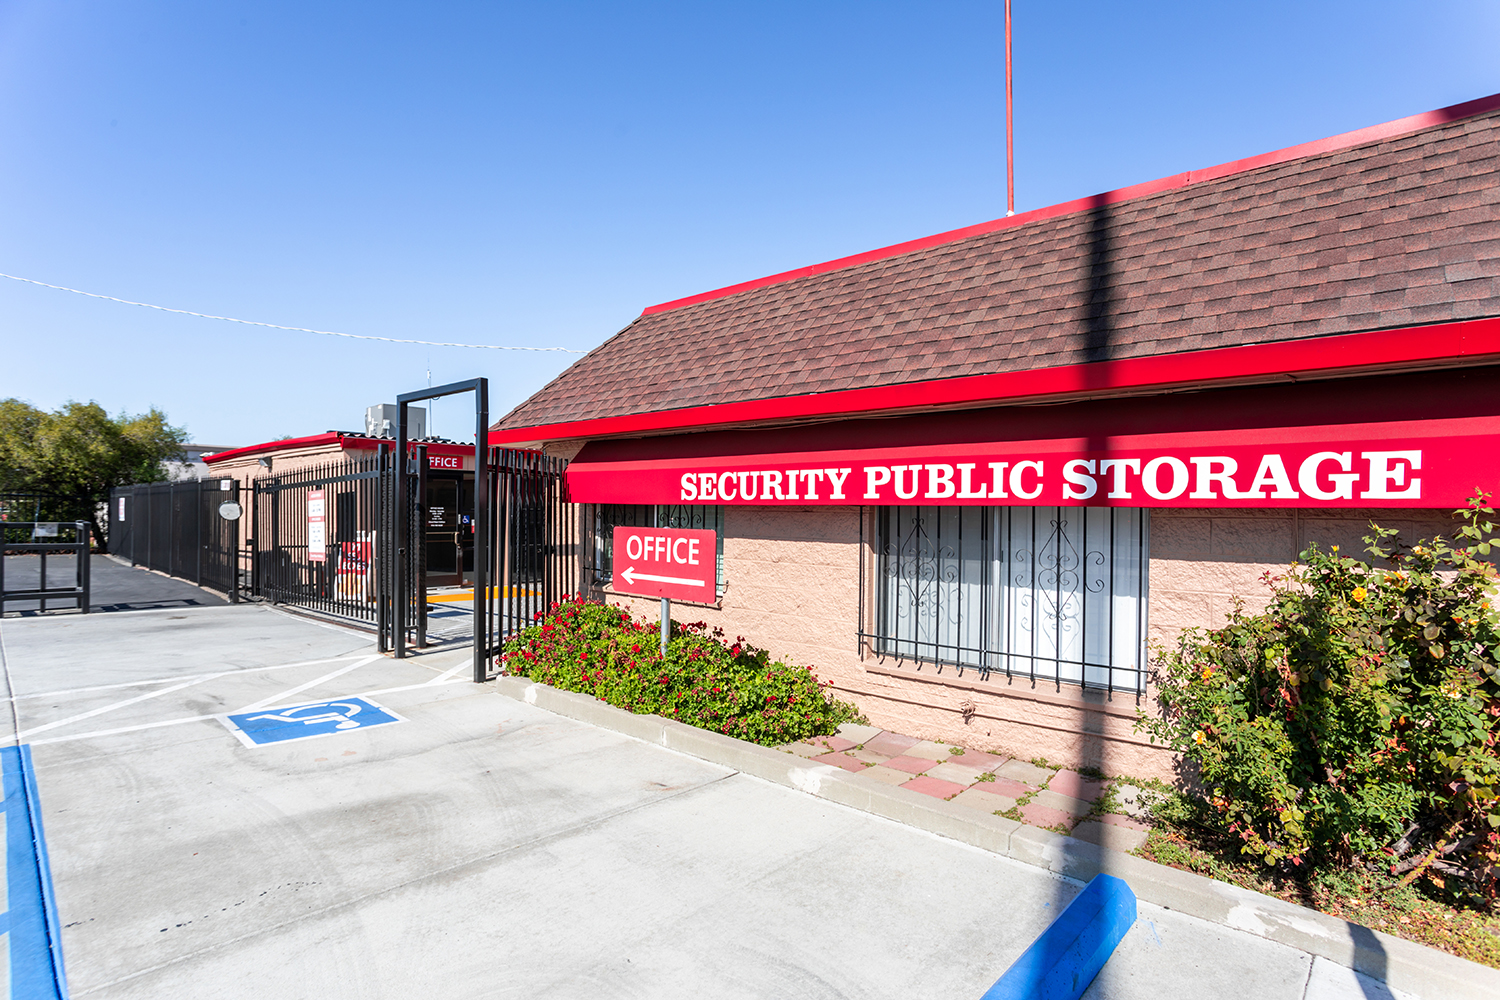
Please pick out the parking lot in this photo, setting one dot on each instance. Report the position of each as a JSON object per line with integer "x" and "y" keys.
{"x": 470, "y": 845}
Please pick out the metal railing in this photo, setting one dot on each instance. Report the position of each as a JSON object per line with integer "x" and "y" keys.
{"x": 24, "y": 538}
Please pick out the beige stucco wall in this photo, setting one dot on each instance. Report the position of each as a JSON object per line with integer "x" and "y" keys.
{"x": 792, "y": 586}
{"x": 1202, "y": 559}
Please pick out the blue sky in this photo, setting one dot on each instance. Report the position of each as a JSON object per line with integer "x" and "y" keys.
{"x": 535, "y": 174}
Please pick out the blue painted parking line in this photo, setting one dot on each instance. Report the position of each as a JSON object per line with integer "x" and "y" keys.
{"x": 1063, "y": 961}
{"x": 266, "y": 726}
{"x": 30, "y": 940}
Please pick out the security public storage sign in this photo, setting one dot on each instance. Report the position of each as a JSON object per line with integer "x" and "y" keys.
{"x": 676, "y": 563}
{"x": 300, "y": 722}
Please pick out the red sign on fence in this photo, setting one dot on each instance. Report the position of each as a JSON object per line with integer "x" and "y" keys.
{"x": 666, "y": 562}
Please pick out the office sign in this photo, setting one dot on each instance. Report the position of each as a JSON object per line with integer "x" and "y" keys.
{"x": 676, "y": 563}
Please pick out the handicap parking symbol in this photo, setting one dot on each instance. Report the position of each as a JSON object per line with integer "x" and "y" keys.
{"x": 301, "y": 722}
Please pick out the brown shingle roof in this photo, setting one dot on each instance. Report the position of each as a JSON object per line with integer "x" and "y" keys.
{"x": 1400, "y": 232}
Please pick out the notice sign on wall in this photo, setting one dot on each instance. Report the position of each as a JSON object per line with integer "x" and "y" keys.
{"x": 677, "y": 563}
{"x": 317, "y": 533}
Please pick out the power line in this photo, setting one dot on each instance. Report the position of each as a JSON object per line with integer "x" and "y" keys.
{"x": 293, "y": 329}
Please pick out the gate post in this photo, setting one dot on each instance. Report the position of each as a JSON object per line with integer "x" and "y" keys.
{"x": 382, "y": 542}
{"x": 482, "y": 561}
{"x": 419, "y": 545}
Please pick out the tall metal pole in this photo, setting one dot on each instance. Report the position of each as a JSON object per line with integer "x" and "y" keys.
{"x": 1010, "y": 133}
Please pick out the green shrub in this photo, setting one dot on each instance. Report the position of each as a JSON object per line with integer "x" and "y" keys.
{"x": 731, "y": 688}
{"x": 1357, "y": 718}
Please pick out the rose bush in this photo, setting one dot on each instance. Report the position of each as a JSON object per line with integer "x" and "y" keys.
{"x": 1357, "y": 718}
{"x": 731, "y": 688}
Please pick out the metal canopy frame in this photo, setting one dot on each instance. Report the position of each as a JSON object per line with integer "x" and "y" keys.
{"x": 481, "y": 389}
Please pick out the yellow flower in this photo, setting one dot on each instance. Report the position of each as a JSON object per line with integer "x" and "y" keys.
{"x": 1208, "y": 672}
{"x": 1335, "y": 548}
{"x": 1198, "y": 737}
{"x": 1359, "y": 594}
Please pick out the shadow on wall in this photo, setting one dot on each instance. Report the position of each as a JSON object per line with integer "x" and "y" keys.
{"x": 1098, "y": 329}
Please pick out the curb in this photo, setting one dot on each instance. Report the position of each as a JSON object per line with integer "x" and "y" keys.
{"x": 1401, "y": 964}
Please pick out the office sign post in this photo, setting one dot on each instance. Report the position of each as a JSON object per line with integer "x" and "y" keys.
{"x": 668, "y": 563}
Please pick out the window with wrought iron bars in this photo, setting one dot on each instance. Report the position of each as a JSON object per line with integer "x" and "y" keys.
{"x": 608, "y": 516}
{"x": 1055, "y": 594}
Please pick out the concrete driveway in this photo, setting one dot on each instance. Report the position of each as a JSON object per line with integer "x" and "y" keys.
{"x": 486, "y": 848}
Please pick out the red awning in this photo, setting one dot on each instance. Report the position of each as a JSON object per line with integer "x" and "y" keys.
{"x": 1427, "y": 440}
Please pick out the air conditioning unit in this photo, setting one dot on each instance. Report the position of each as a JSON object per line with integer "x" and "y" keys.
{"x": 380, "y": 421}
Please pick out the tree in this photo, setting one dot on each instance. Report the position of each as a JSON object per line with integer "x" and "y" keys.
{"x": 72, "y": 458}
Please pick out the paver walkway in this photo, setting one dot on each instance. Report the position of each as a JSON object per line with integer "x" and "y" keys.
{"x": 1090, "y": 807}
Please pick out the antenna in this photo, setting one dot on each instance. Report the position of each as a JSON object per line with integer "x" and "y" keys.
{"x": 1010, "y": 133}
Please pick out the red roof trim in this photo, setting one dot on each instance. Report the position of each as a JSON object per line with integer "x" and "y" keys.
{"x": 1347, "y": 140}
{"x": 1346, "y": 353}
{"x": 347, "y": 442}
{"x": 257, "y": 449}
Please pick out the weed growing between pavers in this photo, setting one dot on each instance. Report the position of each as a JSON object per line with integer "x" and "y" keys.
{"x": 730, "y": 688}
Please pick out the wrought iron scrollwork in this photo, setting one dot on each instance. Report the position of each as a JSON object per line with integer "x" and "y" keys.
{"x": 923, "y": 575}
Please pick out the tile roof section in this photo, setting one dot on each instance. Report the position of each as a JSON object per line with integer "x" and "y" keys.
{"x": 1397, "y": 232}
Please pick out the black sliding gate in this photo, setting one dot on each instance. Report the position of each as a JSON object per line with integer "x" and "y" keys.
{"x": 327, "y": 540}
{"x": 322, "y": 540}
{"x": 180, "y": 529}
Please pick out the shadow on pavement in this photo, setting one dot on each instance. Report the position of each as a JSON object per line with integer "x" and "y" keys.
{"x": 118, "y": 587}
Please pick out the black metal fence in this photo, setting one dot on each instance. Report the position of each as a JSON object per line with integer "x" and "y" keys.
{"x": 23, "y": 576}
{"x": 186, "y": 529}
{"x": 324, "y": 541}
{"x": 537, "y": 549}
